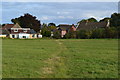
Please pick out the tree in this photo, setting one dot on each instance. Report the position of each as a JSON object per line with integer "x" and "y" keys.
{"x": 82, "y": 21}
{"x": 70, "y": 34}
{"x": 81, "y": 34}
{"x": 51, "y": 24}
{"x": 28, "y": 21}
{"x": 115, "y": 20}
{"x": 87, "y": 20}
{"x": 118, "y": 31}
{"x": 92, "y": 20}
{"x": 105, "y": 19}
{"x": 3, "y": 25}
{"x": 98, "y": 33}
{"x": 56, "y": 34}
{"x": 111, "y": 32}
{"x": 45, "y": 31}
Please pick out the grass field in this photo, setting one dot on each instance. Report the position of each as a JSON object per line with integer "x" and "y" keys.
{"x": 62, "y": 58}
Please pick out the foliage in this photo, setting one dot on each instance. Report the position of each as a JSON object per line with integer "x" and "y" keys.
{"x": 57, "y": 34}
{"x": 51, "y": 24}
{"x": 82, "y": 21}
{"x": 98, "y": 33}
{"x": 105, "y": 19}
{"x": 71, "y": 34}
{"x": 45, "y": 31}
{"x": 92, "y": 20}
{"x": 111, "y": 32}
{"x": 81, "y": 34}
{"x": 3, "y": 25}
{"x": 51, "y": 28}
{"x": 87, "y": 20}
{"x": 118, "y": 30}
{"x": 28, "y": 21}
{"x": 115, "y": 20}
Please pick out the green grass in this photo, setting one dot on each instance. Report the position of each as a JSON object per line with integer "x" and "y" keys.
{"x": 60, "y": 58}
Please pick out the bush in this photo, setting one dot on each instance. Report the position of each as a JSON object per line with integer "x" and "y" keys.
{"x": 98, "y": 33}
{"x": 70, "y": 34}
{"x": 111, "y": 32}
{"x": 56, "y": 35}
{"x": 81, "y": 34}
{"x": 46, "y": 33}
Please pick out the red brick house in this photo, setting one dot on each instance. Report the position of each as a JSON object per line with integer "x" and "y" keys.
{"x": 64, "y": 28}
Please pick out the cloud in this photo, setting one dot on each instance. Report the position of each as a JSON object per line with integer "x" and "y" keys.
{"x": 70, "y": 12}
{"x": 44, "y": 18}
{"x": 61, "y": 17}
{"x": 64, "y": 13}
{"x": 65, "y": 17}
{"x": 69, "y": 17}
{"x": 97, "y": 14}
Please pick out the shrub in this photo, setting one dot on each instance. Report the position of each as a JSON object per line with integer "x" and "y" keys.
{"x": 56, "y": 35}
{"x": 81, "y": 34}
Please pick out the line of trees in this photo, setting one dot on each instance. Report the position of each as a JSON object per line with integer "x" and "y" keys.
{"x": 111, "y": 32}
{"x": 48, "y": 30}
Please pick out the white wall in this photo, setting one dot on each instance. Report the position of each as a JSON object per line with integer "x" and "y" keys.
{"x": 2, "y": 35}
{"x": 39, "y": 36}
{"x": 15, "y": 35}
{"x": 24, "y": 35}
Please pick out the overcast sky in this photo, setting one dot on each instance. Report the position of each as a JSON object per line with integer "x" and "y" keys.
{"x": 60, "y": 0}
{"x": 58, "y": 12}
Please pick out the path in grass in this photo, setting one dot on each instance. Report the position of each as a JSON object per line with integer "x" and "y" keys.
{"x": 55, "y": 65}
{"x": 63, "y": 58}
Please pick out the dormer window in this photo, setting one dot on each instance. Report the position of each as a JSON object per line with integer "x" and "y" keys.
{"x": 15, "y": 30}
{"x": 24, "y": 30}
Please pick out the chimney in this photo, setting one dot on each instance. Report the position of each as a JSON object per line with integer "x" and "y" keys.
{"x": 86, "y": 22}
{"x": 108, "y": 23}
{"x": 77, "y": 25}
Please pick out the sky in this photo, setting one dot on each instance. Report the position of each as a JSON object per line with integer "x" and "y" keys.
{"x": 60, "y": 0}
{"x": 58, "y": 12}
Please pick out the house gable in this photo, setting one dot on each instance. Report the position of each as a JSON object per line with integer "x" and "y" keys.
{"x": 73, "y": 28}
{"x": 16, "y": 26}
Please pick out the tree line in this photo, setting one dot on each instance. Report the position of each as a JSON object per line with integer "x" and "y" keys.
{"x": 30, "y": 21}
{"x": 113, "y": 31}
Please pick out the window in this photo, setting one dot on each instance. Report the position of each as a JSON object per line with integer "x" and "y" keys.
{"x": 24, "y": 36}
{"x": 15, "y": 30}
{"x": 33, "y": 35}
{"x": 13, "y": 36}
{"x": 24, "y": 30}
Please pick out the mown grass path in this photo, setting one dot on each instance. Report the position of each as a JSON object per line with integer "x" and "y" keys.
{"x": 55, "y": 65}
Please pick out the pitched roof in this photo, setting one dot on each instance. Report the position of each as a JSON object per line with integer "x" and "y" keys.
{"x": 64, "y": 26}
{"x": 8, "y": 26}
{"x": 16, "y": 26}
{"x": 32, "y": 31}
{"x": 4, "y": 31}
{"x": 91, "y": 25}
